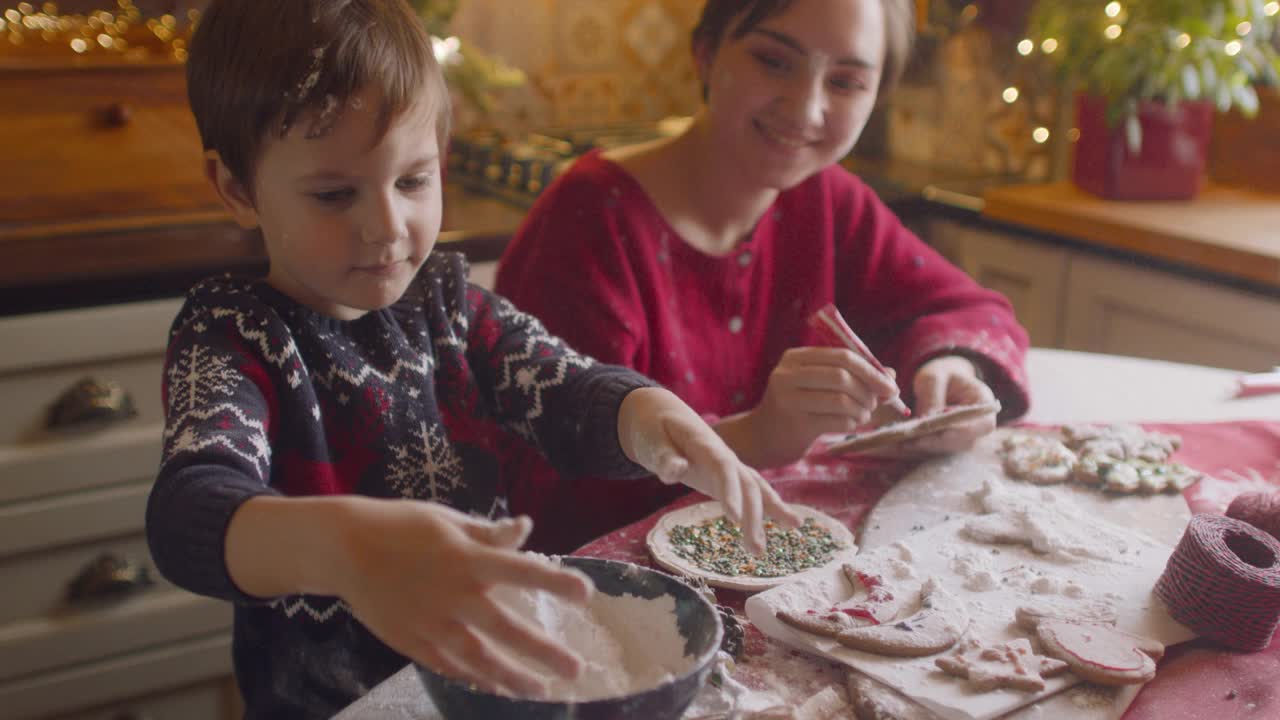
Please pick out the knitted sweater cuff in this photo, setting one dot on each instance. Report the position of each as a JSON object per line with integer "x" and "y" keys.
{"x": 600, "y": 429}
{"x": 187, "y": 532}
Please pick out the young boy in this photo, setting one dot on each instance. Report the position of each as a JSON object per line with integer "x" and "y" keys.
{"x": 329, "y": 461}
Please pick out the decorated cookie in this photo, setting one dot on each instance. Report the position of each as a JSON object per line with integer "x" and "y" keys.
{"x": 827, "y": 624}
{"x": 1095, "y": 612}
{"x": 1037, "y": 458}
{"x": 1134, "y": 476}
{"x": 895, "y": 433}
{"x": 1101, "y": 654}
{"x": 879, "y": 605}
{"x": 1010, "y": 665}
{"x": 939, "y": 623}
{"x": 873, "y": 603}
{"x": 1120, "y": 442}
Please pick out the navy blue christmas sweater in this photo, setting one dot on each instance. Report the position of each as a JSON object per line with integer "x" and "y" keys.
{"x": 418, "y": 400}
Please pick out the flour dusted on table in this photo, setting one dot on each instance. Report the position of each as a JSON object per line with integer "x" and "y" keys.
{"x": 628, "y": 644}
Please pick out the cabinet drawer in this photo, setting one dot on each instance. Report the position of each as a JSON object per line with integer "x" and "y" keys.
{"x": 61, "y": 642}
{"x": 45, "y": 356}
{"x": 114, "y": 680}
{"x": 93, "y": 141}
{"x": 214, "y": 700}
{"x": 38, "y": 584}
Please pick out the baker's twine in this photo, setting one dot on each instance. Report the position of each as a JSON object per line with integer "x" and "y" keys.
{"x": 1223, "y": 582}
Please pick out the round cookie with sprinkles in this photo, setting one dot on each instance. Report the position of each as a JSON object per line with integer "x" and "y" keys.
{"x": 698, "y": 541}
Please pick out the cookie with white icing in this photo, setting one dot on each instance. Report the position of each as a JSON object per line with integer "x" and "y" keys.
{"x": 1037, "y": 458}
{"x": 936, "y": 626}
{"x": 1101, "y": 654}
{"x": 1012, "y": 665}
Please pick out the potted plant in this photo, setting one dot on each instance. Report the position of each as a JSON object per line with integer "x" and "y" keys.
{"x": 1150, "y": 74}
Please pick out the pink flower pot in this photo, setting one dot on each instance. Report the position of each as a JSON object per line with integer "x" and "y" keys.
{"x": 1170, "y": 164}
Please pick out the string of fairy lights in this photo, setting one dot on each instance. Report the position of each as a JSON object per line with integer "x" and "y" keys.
{"x": 1114, "y": 11}
{"x": 31, "y": 30}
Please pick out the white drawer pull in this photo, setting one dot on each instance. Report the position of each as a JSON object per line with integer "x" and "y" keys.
{"x": 91, "y": 402}
{"x": 108, "y": 577}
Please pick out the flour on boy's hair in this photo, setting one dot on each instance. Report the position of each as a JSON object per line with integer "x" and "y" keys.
{"x": 313, "y": 75}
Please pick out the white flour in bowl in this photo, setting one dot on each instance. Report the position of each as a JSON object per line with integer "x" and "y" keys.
{"x": 628, "y": 644}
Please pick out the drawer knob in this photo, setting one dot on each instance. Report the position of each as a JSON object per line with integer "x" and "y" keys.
{"x": 108, "y": 577}
{"x": 117, "y": 115}
{"x": 91, "y": 402}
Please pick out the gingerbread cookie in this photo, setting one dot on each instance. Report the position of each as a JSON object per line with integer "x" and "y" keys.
{"x": 827, "y": 624}
{"x": 1010, "y": 665}
{"x": 939, "y": 623}
{"x": 1134, "y": 476}
{"x": 878, "y": 605}
{"x": 895, "y": 433}
{"x": 1101, "y": 654}
{"x": 872, "y": 700}
{"x": 1120, "y": 442}
{"x": 1037, "y": 458}
{"x": 1094, "y": 612}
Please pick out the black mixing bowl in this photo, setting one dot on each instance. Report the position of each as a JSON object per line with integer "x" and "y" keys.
{"x": 699, "y": 625}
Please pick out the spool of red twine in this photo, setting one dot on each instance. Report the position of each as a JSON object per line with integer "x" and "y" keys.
{"x": 1259, "y": 509}
{"x": 1223, "y": 582}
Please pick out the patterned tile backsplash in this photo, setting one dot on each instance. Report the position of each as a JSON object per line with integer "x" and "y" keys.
{"x": 588, "y": 62}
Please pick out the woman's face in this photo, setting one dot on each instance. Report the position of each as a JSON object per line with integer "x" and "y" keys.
{"x": 792, "y": 95}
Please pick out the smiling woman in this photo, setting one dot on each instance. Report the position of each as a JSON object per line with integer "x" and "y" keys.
{"x": 697, "y": 259}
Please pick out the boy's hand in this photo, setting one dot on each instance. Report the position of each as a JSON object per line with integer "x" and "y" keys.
{"x": 419, "y": 576}
{"x": 658, "y": 431}
{"x": 811, "y": 391}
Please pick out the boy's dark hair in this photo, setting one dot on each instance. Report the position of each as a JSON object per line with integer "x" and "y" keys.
{"x": 719, "y": 15}
{"x": 259, "y": 66}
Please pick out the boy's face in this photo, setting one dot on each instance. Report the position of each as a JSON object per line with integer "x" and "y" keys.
{"x": 348, "y": 223}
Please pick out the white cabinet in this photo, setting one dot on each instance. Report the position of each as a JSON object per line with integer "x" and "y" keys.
{"x": 1078, "y": 299}
{"x": 86, "y": 623}
{"x": 1122, "y": 309}
{"x": 1032, "y": 275}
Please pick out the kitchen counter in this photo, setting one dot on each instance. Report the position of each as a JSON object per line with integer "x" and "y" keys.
{"x": 1233, "y": 234}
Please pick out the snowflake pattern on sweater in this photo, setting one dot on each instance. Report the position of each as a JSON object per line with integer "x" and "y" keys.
{"x": 264, "y": 396}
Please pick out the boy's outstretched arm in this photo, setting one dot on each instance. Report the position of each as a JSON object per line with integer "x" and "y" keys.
{"x": 660, "y": 432}
{"x": 416, "y": 574}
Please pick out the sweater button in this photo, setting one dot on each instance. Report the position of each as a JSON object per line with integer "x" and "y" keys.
{"x": 739, "y": 398}
{"x": 735, "y": 324}
{"x": 745, "y": 258}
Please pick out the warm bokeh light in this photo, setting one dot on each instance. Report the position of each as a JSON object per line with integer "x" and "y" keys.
{"x": 1233, "y": 48}
{"x": 1040, "y": 135}
{"x": 1113, "y": 9}
{"x": 1010, "y": 94}
{"x": 1182, "y": 41}
{"x": 1025, "y": 47}
{"x": 1244, "y": 28}
{"x": 1113, "y": 31}
{"x": 1049, "y": 45}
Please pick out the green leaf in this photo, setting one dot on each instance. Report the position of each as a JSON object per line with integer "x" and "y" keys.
{"x": 1224, "y": 98}
{"x": 1133, "y": 133}
{"x": 1190, "y": 81}
{"x": 1247, "y": 99}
